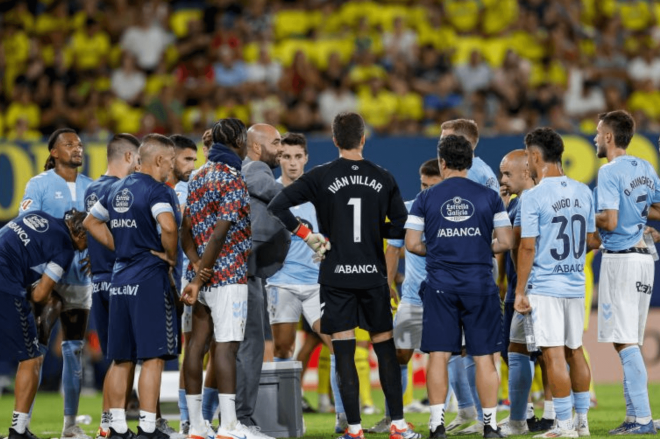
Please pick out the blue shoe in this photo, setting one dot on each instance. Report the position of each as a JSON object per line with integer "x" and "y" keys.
{"x": 624, "y": 425}
{"x": 637, "y": 428}
{"x": 347, "y": 435}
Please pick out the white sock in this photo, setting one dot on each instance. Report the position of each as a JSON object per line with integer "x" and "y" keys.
{"x": 147, "y": 421}
{"x": 437, "y": 416}
{"x": 400, "y": 424}
{"x": 549, "y": 410}
{"x": 69, "y": 421}
{"x": 581, "y": 417}
{"x": 468, "y": 412}
{"x": 354, "y": 428}
{"x": 19, "y": 422}
{"x": 630, "y": 419}
{"x": 530, "y": 410}
{"x": 490, "y": 416}
{"x": 118, "y": 420}
{"x": 105, "y": 421}
{"x": 227, "y": 411}
{"x": 197, "y": 426}
{"x": 565, "y": 425}
{"x": 643, "y": 420}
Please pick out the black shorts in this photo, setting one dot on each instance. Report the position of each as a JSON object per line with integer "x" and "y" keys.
{"x": 343, "y": 309}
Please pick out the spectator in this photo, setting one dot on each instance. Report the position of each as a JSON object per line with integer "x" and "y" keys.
{"x": 475, "y": 75}
{"x": 264, "y": 69}
{"x": 400, "y": 42}
{"x": 146, "y": 40}
{"x": 128, "y": 82}
{"x": 229, "y": 72}
{"x": 584, "y": 97}
{"x": 334, "y": 100}
{"x": 90, "y": 46}
{"x": 645, "y": 65}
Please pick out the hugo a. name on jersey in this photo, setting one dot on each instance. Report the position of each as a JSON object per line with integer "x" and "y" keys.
{"x": 558, "y": 212}
{"x": 352, "y": 200}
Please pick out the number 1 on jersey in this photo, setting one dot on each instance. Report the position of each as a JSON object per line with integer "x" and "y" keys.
{"x": 357, "y": 218}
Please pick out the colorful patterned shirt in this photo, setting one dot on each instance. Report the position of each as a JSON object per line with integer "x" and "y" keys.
{"x": 218, "y": 192}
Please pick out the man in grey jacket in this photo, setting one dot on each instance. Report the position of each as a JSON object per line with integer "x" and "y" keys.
{"x": 269, "y": 248}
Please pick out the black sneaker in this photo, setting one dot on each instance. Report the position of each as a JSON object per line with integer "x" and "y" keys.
{"x": 537, "y": 425}
{"x": 307, "y": 407}
{"x": 490, "y": 432}
{"x": 13, "y": 434}
{"x": 157, "y": 434}
{"x": 438, "y": 433}
{"x": 113, "y": 434}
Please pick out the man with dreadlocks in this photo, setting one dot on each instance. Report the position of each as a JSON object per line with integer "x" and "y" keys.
{"x": 56, "y": 190}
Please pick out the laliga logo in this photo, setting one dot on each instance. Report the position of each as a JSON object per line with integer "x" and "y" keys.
{"x": 90, "y": 201}
{"x": 36, "y": 223}
{"x": 122, "y": 201}
{"x": 457, "y": 209}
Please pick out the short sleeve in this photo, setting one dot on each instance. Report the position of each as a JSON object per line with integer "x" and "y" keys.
{"x": 416, "y": 216}
{"x": 608, "y": 190}
{"x": 529, "y": 218}
{"x": 100, "y": 210}
{"x": 161, "y": 201}
{"x": 233, "y": 196}
{"x": 656, "y": 192}
{"x": 32, "y": 197}
{"x": 591, "y": 216}
{"x": 500, "y": 217}
{"x": 59, "y": 263}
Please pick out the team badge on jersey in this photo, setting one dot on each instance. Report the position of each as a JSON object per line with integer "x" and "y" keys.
{"x": 122, "y": 201}
{"x": 36, "y": 223}
{"x": 90, "y": 201}
{"x": 26, "y": 204}
{"x": 457, "y": 209}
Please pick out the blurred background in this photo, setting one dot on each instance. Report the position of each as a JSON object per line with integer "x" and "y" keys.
{"x": 144, "y": 66}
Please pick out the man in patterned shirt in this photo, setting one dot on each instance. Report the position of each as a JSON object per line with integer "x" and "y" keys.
{"x": 217, "y": 233}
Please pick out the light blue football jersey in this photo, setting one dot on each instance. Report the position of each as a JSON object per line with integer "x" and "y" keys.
{"x": 481, "y": 173}
{"x": 298, "y": 267}
{"x": 50, "y": 193}
{"x": 558, "y": 212}
{"x": 415, "y": 270}
{"x": 181, "y": 190}
{"x": 630, "y": 185}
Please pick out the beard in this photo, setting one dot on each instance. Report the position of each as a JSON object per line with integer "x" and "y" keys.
{"x": 601, "y": 152}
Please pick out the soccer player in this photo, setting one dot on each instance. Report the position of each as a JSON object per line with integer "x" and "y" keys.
{"x": 627, "y": 186}
{"x": 516, "y": 181}
{"x": 294, "y": 289}
{"x": 122, "y": 155}
{"x": 462, "y": 375}
{"x": 137, "y": 219}
{"x": 56, "y": 190}
{"x": 408, "y": 318}
{"x": 557, "y": 228}
{"x": 35, "y": 249}
{"x": 353, "y": 197}
{"x": 458, "y": 219}
{"x": 270, "y": 243}
{"x": 218, "y": 223}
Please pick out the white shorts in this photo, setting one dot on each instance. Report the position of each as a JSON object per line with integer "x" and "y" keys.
{"x": 75, "y": 296}
{"x": 228, "y": 305}
{"x": 624, "y": 296}
{"x": 408, "y": 326}
{"x": 287, "y": 302}
{"x": 557, "y": 321}
{"x": 517, "y": 332}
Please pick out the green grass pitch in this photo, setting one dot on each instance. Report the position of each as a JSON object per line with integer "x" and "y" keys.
{"x": 47, "y": 419}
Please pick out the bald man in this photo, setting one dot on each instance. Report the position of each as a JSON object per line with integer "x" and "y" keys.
{"x": 142, "y": 323}
{"x": 270, "y": 244}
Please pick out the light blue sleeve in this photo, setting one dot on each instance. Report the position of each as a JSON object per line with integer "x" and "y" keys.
{"x": 656, "y": 183}
{"x": 529, "y": 218}
{"x": 415, "y": 219}
{"x": 33, "y": 198}
{"x": 591, "y": 219}
{"x": 608, "y": 190}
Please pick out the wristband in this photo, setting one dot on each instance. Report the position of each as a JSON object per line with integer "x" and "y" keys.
{"x": 303, "y": 231}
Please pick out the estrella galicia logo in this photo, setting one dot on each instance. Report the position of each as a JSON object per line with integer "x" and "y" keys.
{"x": 122, "y": 201}
{"x": 457, "y": 209}
{"x": 36, "y": 223}
{"x": 90, "y": 201}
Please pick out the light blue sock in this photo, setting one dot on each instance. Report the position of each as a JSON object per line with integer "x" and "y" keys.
{"x": 582, "y": 400}
{"x": 339, "y": 405}
{"x": 43, "y": 349}
{"x": 279, "y": 360}
{"x": 210, "y": 403}
{"x": 630, "y": 410}
{"x": 71, "y": 375}
{"x": 563, "y": 408}
{"x": 634, "y": 372}
{"x": 459, "y": 383}
{"x": 183, "y": 406}
{"x": 471, "y": 371}
{"x": 520, "y": 382}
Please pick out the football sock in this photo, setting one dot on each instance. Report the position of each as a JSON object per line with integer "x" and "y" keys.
{"x": 634, "y": 372}
{"x": 389, "y": 371}
{"x": 520, "y": 382}
{"x": 71, "y": 376}
{"x": 347, "y": 378}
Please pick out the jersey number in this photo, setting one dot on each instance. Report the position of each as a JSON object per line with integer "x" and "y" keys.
{"x": 645, "y": 212}
{"x": 357, "y": 218}
{"x": 569, "y": 241}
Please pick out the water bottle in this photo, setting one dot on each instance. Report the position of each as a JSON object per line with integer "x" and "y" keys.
{"x": 650, "y": 244}
{"x": 529, "y": 333}
{"x": 83, "y": 419}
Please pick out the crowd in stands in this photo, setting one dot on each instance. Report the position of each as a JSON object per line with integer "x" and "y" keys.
{"x": 144, "y": 66}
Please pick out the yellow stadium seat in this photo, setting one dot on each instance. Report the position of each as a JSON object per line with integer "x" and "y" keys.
{"x": 463, "y": 15}
{"x": 179, "y": 20}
